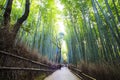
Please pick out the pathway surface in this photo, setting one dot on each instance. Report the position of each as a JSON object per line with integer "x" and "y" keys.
{"x": 63, "y": 74}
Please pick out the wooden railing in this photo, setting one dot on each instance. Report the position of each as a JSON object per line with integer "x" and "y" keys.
{"x": 80, "y": 74}
{"x": 40, "y": 66}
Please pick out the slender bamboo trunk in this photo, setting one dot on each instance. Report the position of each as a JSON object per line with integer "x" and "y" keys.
{"x": 98, "y": 20}
{"x": 113, "y": 19}
{"x": 116, "y": 10}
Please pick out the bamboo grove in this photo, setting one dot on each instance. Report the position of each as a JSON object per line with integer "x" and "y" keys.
{"x": 91, "y": 28}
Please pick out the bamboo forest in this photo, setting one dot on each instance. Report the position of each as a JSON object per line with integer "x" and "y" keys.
{"x": 59, "y": 39}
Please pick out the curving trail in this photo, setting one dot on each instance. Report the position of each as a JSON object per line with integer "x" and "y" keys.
{"x": 63, "y": 74}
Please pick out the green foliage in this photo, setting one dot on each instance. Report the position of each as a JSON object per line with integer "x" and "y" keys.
{"x": 91, "y": 27}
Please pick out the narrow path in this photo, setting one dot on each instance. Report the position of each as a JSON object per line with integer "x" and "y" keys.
{"x": 63, "y": 74}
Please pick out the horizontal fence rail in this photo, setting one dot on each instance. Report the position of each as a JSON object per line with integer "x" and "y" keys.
{"x": 26, "y": 69}
{"x": 45, "y": 68}
{"x": 80, "y": 74}
{"x": 14, "y": 67}
{"x": 25, "y": 59}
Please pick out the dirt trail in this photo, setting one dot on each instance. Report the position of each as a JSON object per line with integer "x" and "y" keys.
{"x": 63, "y": 74}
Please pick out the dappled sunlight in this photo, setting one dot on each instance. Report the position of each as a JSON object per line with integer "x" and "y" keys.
{"x": 83, "y": 35}
{"x": 59, "y": 5}
{"x": 61, "y": 27}
{"x": 60, "y": 21}
{"x": 18, "y": 4}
